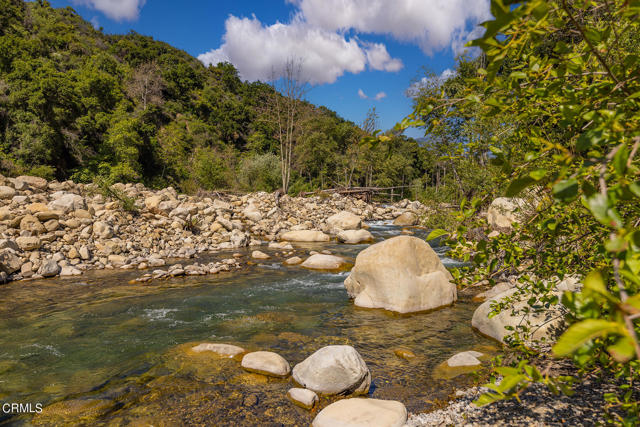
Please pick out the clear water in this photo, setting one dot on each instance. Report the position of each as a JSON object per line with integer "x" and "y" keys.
{"x": 101, "y": 350}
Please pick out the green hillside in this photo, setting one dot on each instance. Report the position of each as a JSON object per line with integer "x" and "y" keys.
{"x": 76, "y": 103}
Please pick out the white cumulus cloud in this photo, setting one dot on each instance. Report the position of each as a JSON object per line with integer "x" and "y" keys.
{"x": 379, "y": 58}
{"x": 258, "y": 51}
{"x": 362, "y": 95}
{"x": 324, "y": 36}
{"x": 116, "y": 9}
{"x": 433, "y": 24}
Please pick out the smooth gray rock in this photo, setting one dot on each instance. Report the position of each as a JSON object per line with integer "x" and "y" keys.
{"x": 266, "y": 363}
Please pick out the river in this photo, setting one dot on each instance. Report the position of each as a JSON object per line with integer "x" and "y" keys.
{"x": 106, "y": 352}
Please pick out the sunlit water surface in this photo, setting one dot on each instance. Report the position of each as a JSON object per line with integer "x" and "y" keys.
{"x": 101, "y": 351}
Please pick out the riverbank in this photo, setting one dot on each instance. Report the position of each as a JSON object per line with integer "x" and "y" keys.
{"x": 537, "y": 407}
{"x": 50, "y": 229}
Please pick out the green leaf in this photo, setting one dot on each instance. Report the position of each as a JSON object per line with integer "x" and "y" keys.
{"x": 487, "y": 399}
{"x": 620, "y": 160}
{"x": 566, "y": 191}
{"x": 519, "y": 184}
{"x": 438, "y": 232}
{"x": 580, "y": 333}
{"x": 600, "y": 206}
{"x": 538, "y": 174}
{"x": 623, "y": 350}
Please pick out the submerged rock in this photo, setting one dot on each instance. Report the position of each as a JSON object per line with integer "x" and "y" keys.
{"x": 466, "y": 358}
{"x": 225, "y": 350}
{"x": 293, "y": 261}
{"x": 266, "y": 363}
{"x": 402, "y": 274}
{"x": 361, "y": 412}
{"x": 335, "y": 369}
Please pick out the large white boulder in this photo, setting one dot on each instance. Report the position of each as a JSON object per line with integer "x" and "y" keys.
{"x": 323, "y": 262}
{"x": 305, "y": 236}
{"x": 359, "y": 412}
{"x": 355, "y": 236}
{"x": 504, "y": 212}
{"x": 344, "y": 220}
{"x": 335, "y": 369}
{"x": 402, "y": 274}
{"x": 543, "y": 325}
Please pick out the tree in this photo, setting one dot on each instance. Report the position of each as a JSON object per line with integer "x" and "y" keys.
{"x": 146, "y": 84}
{"x": 564, "y": 75}
{"x": 286, "y": 100}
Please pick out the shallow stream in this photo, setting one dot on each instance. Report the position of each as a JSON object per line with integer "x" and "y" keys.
{"x": 101, "y": 351}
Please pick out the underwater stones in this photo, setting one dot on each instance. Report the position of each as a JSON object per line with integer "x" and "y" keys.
{"x": 266, "y": 363}
{"x": 305, "y": 236}
{"x": 406, "y": 219}
{"x": 323, "y": 262}
{"x": 466, "y": 358}
{"x": 360, "y": 412}
{"x": 75, "y": 411}
{"x": 402, "y": 274}
{"x": 355, "y": 236}
{"x": 335, "y": 369}
{"x": 224, "y": 350}
{"x": 344, "y": 220}
{"x": 302, "y": 397}
{"x": 404, "y": 353}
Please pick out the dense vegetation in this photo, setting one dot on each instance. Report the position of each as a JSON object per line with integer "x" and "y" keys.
{"x": 77, "y": 103}
{"x": 556, "y": 96}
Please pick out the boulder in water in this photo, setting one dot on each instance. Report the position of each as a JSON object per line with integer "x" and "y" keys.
{"x": 402, "y": 274}
{"x": 302, "y": 397}
{"x": 355, "y": 236}
{"x": 266, "y": 363}
{"x": 334, "y": 369}
{"x": 324, "y": 262}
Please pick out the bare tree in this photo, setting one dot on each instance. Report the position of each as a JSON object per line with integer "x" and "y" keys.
{"x": 289, "y": 90}
{"x": 146, "y": 84}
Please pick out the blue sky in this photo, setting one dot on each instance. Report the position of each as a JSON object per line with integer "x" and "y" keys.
{"x": 349, "y": 48}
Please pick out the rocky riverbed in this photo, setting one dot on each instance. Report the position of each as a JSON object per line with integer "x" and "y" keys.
{"x": 50, "y": 229}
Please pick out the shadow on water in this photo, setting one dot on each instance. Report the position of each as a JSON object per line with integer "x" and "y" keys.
{"x": 101, "y": 351}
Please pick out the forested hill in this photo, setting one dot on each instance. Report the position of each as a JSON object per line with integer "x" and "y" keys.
{"x": 77, "y": 103}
